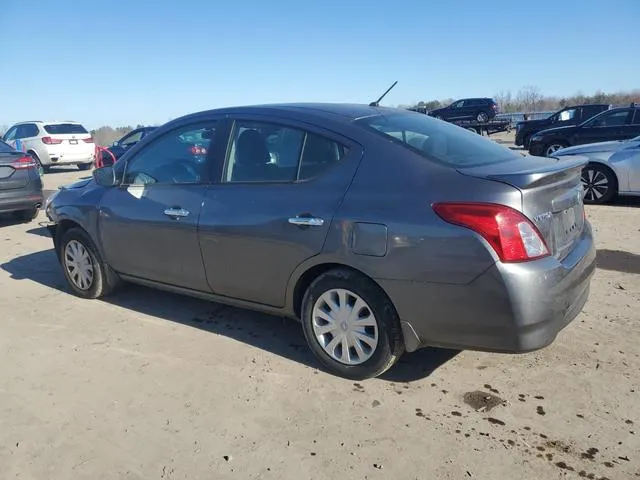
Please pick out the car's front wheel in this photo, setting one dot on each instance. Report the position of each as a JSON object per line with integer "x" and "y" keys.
{"x": 599, "y": 182}
{"x": 87, "y": 274}
{"x": 350, "y": 325}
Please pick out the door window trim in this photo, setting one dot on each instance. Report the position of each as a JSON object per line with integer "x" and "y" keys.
{"x": 210, "y": 153}
{"x": 352, "y": 147}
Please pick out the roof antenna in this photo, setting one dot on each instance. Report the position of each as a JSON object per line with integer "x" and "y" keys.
{"x": 377, "y": 102}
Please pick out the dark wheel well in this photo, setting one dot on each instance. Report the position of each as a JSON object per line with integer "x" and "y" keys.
{"x": 310, "y": 275}
{"x": 62, "y": 227}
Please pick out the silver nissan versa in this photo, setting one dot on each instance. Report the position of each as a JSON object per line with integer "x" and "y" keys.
{"x": 381, "y": 230}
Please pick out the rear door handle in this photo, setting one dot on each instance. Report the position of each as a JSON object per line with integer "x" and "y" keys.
{"x": 176, "y": 212}
{"x": 306, "y": 221}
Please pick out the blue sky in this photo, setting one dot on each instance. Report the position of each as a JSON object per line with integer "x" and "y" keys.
{"x": 126, "y": 62}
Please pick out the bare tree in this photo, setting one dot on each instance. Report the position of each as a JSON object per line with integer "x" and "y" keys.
{"x": 529, "y": 97}
{"x": 3, "y": 130}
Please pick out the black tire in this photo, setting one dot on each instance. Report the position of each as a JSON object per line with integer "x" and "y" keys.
{"x": 26, "y": 215}
{"x": 482, "y": 117}
{"x": 104, "y": 279}
{"x": 551, "y": 147}
{"x": 84, "y": 166}
{"x": 390, "y": 344}
{"x": 41, "y": 167}
{"x": 599, "y": 182}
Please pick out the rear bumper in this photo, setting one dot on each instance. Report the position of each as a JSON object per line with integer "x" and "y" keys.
{"x": 509, "y": 308}
{"x": 61, "y": 157}
{"x": 20, "y": 199}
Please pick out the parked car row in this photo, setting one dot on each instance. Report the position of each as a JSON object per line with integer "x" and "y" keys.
{"x": 53, "y": 143}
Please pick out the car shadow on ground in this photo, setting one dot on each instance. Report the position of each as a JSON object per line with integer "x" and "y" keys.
{"x": 626, "y": 202}
{"x": 618, "y": 261}
{"x": 277, "y": 335}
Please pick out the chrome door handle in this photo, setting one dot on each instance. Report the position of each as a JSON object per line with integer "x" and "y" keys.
{"x": 307, "y": 221}
{"x": 176, "y": 212}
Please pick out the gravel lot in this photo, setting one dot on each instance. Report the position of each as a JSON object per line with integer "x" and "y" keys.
{"x": 149, "y": 385}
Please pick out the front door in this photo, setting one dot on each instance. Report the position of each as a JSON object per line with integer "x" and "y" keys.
{"x": 149, "y": 225}
{"x": 605, "y": 127}
{"x": 281, "y": 185}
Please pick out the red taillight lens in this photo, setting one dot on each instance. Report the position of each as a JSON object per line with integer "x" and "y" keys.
{"x": 509, "y": 232}
{"x": 88, "y": 140}
{"x": 51, "y": 141}
{"x": 24, "y": 162}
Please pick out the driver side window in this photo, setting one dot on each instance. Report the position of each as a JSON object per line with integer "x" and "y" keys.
{"x": 131, "y": 139}
{"x": 178, "y": 157}
{"x": 612, "y": 119}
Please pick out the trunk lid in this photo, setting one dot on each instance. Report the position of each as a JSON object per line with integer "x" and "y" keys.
{"x": 10, "y": 178}
{"x": 551, "y": 195}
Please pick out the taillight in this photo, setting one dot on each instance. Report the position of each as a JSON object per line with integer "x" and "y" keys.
{"x": 24, "y": 162}
{"x": 509, "y": 232}
{"x": 88, "y": 140}
{"x": 51, "y": 141}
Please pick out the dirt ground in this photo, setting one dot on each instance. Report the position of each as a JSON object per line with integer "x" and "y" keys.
{"x": 148, "y": 385}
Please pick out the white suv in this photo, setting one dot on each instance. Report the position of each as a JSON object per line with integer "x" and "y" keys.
{"x": 53, "y": 143}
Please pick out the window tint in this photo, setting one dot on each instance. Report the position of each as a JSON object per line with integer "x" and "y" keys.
{"x": 318, "y": 155}
{"x": 27, "y": 130}
{"x": 265, "y": 152}
{"x": 11, "y": 134}
{"x": 610, "y": 119}
{"x": 131, "y": 139}
{"x": 438, "y": 141}
{"x": 177, "y": 157}
{"x": 459, "y": 104}
{"x": 64, "y": 128}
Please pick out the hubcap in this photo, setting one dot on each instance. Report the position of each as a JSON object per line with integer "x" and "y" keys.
{"x": 553, "y": 149}
{"x": 345, "y": 326}
{"x": 595, "y": 184}
{"x": 78, "y": 264}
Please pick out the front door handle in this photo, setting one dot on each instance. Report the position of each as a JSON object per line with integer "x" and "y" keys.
{"x": 176, "y": 212}
{"x": 306, "y": 221}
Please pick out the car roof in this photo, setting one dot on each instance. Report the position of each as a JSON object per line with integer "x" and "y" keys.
{"x": 52, "y": 122}
{"x": 345, "y": 112}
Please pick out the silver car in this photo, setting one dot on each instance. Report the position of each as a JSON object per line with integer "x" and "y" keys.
{"x": 381, "y": 230}
{"x": 613, "y": 168}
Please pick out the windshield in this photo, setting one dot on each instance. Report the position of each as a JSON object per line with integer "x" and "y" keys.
{"x": 437, "y": 140}
{"x": 64, "y": 128}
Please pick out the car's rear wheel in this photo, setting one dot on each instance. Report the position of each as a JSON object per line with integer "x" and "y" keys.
{"x": 350, "y": 325}
{"x": 482, "y": 117}
{"x": 41, "y": 168}
{"x": 84, "y": 166}
{"x": 87, "y": 274}
{"x": 599, "y": 182}
{"x": 553, "y": 147}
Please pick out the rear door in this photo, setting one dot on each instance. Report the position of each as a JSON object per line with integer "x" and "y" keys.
{"x": 610, "y": 125}
{"x": 149, "y": 225}
{"x": 280, "y": 187}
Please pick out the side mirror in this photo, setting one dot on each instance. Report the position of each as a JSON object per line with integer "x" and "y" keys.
{"x": 115, "y": 144}
{"x": 105, "y": 176}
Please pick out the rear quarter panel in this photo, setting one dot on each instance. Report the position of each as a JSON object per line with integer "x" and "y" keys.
{"x": 396, "y": 188}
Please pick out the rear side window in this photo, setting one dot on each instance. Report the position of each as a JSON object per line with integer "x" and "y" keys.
{"x": 64, "y": 128}
{"x": 263, "y": 152}
{"x": 438, "y": 141}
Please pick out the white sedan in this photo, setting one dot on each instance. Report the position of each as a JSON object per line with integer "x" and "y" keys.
{"x": 613, "y": 168}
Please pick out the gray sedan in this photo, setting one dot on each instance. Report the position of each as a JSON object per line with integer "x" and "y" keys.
{"x": 381, "y": 230}
{"x": 613, "y": 168}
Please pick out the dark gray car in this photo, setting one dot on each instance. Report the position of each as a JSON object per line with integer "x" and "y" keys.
{"x": 382, "y": 230}
{"x": 20, "y": 183}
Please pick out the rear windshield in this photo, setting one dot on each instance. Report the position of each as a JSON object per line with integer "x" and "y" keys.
{"x": 64, "y": 128}
{"x": 437, "y": 140}
{"x": 4, "y": 148}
